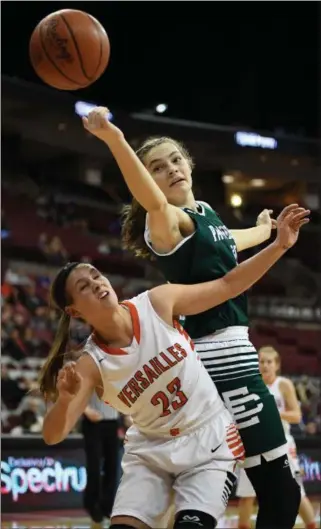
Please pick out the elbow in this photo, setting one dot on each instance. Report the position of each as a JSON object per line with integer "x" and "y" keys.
{"x": 49, "y": 441}
{"x": 51, "y": 437}
{"x": 298, "y": 418}
{"x": 295, "y": 418}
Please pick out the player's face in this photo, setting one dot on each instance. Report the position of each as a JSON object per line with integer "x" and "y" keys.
{"x": 268, "y": 365}
{"x": 91, "y": 294}
{"x": 171, "y": 171}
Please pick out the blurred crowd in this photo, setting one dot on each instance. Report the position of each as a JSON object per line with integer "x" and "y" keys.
{"x": 28, "y": 326}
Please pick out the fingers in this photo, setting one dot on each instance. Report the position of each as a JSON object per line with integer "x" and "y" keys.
{"x": 270, "y": 211}
{"x": 274, "y": 224}
{"x": 298, "y": 225}
{"x": 287, "y": 210}
{"x": 71, "y": 373}
{"x": 293, "y": 212}
{"x": 303, "y": 222}
{"x": 68, "y": 372}
{"x": 299, "y": 214}
{"x": 97, "y": 119}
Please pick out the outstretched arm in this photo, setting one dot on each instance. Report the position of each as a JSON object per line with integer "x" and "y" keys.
{"x": 250, "y": 237}
{"x": 163, "y": 217}
{"x": 188, "y": 300}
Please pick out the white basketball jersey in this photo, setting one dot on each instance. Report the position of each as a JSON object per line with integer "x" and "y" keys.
{"x": 159, "y": 379}
{"x": 274, "y": 388}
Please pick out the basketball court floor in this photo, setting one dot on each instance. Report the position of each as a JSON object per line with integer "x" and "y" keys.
{"x": 78, "y": 520}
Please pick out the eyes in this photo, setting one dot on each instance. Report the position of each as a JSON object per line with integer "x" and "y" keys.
{"x": 159, "y": 167}
{"x": 86, "y": 283}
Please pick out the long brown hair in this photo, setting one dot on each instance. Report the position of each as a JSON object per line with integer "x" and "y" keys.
{"x": 133, "y": 215}
{"x": 57, "y": 355}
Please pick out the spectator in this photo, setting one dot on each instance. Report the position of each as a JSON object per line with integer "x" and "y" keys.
{"x": 57, "y": 254}
{"x": 311, "y": 428}
{"x": 14, "y": 346}
{"x": 32, "y": 301}
{"x": 11, "y": 391}
{"x": 29, "y": 424}
{"x": 43, "y": 244}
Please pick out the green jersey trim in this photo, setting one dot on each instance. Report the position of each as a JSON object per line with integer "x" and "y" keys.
{"x": 230, "y": 358}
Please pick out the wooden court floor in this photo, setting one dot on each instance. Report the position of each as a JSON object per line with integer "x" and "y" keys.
{"x": 78, "y": 520}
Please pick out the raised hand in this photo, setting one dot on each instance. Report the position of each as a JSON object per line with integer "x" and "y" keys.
{"x": 289, "y": 222}
{"x": 98, "y": 124}
{"x": 264, "y": 219}
{"x": 68, "y": 382}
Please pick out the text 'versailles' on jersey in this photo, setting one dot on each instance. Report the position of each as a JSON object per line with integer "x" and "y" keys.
{"x": 159, "y": 379}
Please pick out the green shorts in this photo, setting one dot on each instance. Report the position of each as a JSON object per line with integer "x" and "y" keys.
{"x": 255, "y": 413}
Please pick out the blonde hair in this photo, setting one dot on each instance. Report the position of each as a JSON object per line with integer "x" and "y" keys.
{"x": 270, "y": 350}
{"x": 133, "y": 215}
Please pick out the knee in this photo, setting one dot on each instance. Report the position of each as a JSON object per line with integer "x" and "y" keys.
{"x": 191, "y": 519}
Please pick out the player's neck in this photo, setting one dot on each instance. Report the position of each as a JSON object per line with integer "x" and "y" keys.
{"x": 269, "y": 380}
{"x": 118, "y": 330}
{"x": 190, "y": 202}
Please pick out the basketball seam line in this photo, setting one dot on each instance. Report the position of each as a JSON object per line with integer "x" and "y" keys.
{"x": 77, "y": 48}
{"x": 53, "y": 62}
{"x": 100, "y": 42}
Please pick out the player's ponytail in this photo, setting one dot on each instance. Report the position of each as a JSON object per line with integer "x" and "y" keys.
{"x": 58, "y": 298}
{"x": 49, "y": 372}
{"x": 134, "y": 215}
{"x": 132, "y": 232}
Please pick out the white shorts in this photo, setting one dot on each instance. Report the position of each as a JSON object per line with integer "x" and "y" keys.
{"x": 244, "y": 486}
{"x": 198, "y": 467}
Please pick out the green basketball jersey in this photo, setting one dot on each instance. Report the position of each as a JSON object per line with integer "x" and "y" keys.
{"x": 231, "y": 360}
{"x": 206, "y": 255}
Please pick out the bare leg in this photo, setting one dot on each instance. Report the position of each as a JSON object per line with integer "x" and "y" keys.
{"x": 245, "y": 508}
{"x": 307, "y": 513}
{"x": 128, "y": 520}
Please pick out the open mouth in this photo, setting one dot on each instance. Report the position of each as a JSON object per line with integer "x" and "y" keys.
{"x": 104, "y": 294}
{"x": 177, "y": 181}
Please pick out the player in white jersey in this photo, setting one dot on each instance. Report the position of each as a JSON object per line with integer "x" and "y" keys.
{"x": 288, "y": 405}
{"x": 141, "y": 363}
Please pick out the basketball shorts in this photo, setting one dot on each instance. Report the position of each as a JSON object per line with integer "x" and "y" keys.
{"x": 232, "y": 363}
{"x": 244, "y": 486}
{"x": 198, "y": 467}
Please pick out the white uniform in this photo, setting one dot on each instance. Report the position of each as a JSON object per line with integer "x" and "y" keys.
{"x": 244, "y": 487}
{"x": 183, "y": 438}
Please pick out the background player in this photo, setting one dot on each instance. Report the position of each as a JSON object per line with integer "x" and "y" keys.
{"x": 192, "y": 245}
{"x": 288, "y": 405}
{"x": 141, "y": 363}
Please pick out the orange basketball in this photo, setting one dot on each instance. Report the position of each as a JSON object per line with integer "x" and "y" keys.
{"x": 69, "y": 49}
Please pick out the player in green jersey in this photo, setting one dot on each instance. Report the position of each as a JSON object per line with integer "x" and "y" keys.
{"x": 191, "y": 245}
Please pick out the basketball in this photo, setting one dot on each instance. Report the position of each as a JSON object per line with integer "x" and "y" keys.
{"x": 69, "y": 49}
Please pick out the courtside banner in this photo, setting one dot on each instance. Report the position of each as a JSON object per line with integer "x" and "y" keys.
{"x": 37, "y": 477}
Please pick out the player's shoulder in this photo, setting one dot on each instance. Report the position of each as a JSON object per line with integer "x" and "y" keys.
{"x": 138, "y": 299}
{"x": 139, "y": 305}
{"x": 285, "y": 383}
